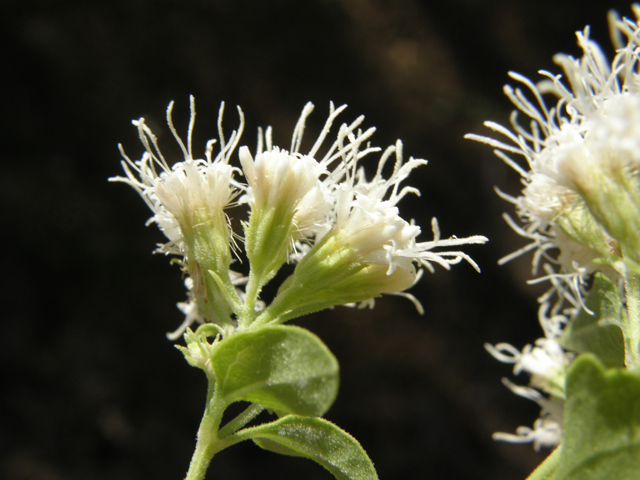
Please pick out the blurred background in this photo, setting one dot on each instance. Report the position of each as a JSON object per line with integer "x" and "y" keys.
{"x": 92, "y": 389}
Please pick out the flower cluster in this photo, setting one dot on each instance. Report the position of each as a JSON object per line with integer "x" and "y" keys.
{"x": 580, "y": 202}
{"x": 545, "y": 362}
{"x": 319, "y": 211}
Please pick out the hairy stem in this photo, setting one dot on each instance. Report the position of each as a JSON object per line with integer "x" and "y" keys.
{"x": 251, "y": 412}
{"x": 208, "y": 443}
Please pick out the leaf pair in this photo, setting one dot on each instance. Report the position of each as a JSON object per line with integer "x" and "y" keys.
{"x": 290, "y": 370}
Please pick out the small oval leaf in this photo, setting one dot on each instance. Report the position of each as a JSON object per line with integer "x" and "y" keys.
{"x": 318, "y": 440}
{"x": 279, "y": 367}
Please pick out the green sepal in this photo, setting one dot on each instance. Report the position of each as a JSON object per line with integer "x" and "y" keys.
{"x": 632, "y": 266}
{"x": 209, "y": 239}
{"x": 613, "y": 197}
{"x": 579, "y": 224}
{"x": 226, "y": 290}
{"x": 601, "y": 428}
{"x": 601, "y": 332}
{"x": 329, "y": 275}
{"x": 318, "y": 440}
{"x": 268, "y": 241}
{"x": 283, "y": 368}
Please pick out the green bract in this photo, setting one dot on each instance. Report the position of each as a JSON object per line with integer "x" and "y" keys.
{"x": 283, "y": 368}
{"x": 331, "y": 275}
{"x": 267, "y": 242}
{"x": 580, "y": 225}
{"x": 599, "y": 333}
{"x": 614, "y": 200}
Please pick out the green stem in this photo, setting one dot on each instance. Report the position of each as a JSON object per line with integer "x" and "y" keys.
{"x": 251, "y": 295}
{"x": 251, "y": 412}
{"x": 207, "y": 444}
{"x": 632, "y": 333}
{"x": 266, "y": 316}
{"x": 200, "y": 461}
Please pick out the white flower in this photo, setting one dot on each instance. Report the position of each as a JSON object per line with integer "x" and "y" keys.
{"x": 547, "y": 430}
{"x": 545, "y": 361}
{"x": 193, "y": 191}
{"x": 368, "y": 219}
{"x": 315, "y": 204}
{"x": 303, "y": 184}
{"x": 579, "y": 201}
{"x": 188, "y": 202}
{"x": 362, "y": 247}
{"x": 593, "y": 131}
{"x": 329, "y": 200}
{"x": 277, "y": 178}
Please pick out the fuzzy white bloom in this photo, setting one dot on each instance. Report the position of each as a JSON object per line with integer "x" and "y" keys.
{"x": 188, "y": 201}
{"x": 610, "y": 142}
{"x": 351, "y": 243}
{"x": 580, "y": 178}
{"x": 299, "y": 203}
{"x": 191, "y": 190}
{"x": 277, "y": 178}
{"x": 333, "y": 194}
{"x": 547, "y": 430}
{"x": 546, "y": 362}
{"x": 368, "y": 219}
{"x": 592, "y": 131}
{"x": 300, "y": 182}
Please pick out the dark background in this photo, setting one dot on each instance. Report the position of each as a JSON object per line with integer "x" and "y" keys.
{"x": 91, "y": 388}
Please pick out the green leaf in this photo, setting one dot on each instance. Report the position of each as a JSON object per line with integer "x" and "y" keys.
{"x": 318, "y": 440}
{"x": 601, "y": 429}
{"x": 547, "y": 468}
{"x": 599, "y": 333}
{"x": 279, "y": 367}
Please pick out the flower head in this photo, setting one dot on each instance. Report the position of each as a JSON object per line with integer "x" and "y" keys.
{"x": 279, "y": 179}
{"x": 316, "y": 209}
{"x": 369, "y": 248}
{"x": 301, "y": 184}
{"x": 580, "y": 202}
{"x": 581, "y": 155}
{"x": 368, "y": 219}
{"x": 547, "y": 430}
{"x": 545, "y": 361}
{"x": 188, "y": 200}
{"x": 191, "y": 193}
